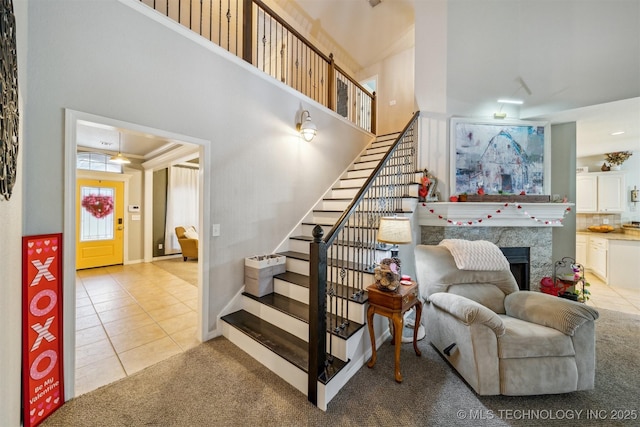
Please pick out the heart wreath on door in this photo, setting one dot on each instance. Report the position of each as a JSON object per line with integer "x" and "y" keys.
{"x": 98, "y": 206}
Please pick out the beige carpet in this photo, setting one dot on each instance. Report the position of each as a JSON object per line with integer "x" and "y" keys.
{"x": 216, "y": 384}
{"x": 186, "y": 270}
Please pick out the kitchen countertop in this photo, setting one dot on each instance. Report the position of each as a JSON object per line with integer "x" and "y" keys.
{"x": 614, "y": 235}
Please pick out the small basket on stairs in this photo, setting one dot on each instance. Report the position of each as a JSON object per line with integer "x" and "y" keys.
{"x": 259, "y": 271}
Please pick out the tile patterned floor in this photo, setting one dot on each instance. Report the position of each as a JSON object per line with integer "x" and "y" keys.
{"x": 611, "y": 297}
{"x": 128, "y": 318}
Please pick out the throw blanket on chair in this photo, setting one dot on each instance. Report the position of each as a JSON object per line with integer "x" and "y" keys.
{"x": 476, "y": 255}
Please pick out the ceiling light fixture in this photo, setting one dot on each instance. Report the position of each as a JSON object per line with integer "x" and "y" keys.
{"x": 620, "y": 132}
{"x": 502, "y": 101}
{"x": 511, "y": 101}
{"x": 306, "y": 127}
{"x": 119, "y": 158}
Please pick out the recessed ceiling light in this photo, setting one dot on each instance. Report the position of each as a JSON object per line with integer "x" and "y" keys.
{"x": 620, "y": 132}
{"x": 511, "y": 101}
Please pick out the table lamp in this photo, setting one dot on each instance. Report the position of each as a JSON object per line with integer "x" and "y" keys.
{"x": 395, "y": 230}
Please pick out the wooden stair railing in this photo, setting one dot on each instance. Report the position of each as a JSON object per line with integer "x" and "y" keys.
{"x": 347, "y": 252}
{"x": 253, "y": 31}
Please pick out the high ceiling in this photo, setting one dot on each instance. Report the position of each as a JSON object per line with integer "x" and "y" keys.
{"x": 580, "y": 59}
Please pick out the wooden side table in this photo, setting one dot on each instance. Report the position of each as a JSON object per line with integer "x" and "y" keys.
{"x": 393, "y": 305}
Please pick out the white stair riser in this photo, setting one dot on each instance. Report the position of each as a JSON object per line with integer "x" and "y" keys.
{"x": 298, "y": 266}
{"x": 322, "y": 216}
{"x": 299, "y": 246}
{"x": 344, "y": 193}
{"x": 357, "y": 311}
{"x": 379, "y": 149}
{"x": 365, "y": 165}
{"x": 354, "y": 182}
{"x": 333, "y": 273}
{"x": 291, "y": 290}
{"x": 371, "y": 157}
{"x": 285, "y": 322}
{"x": 407, "y": 204}
{"x": 281, "y": 367}
{"x": 329, "y": 204}
{"x": 359, "y": 173}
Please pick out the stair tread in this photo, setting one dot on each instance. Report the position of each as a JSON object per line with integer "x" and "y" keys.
{"x": 341, "y": 290}
{"x": 379, "y": 247}
{"x": 300, "y": 311}
{"x": 295, "y": 278}
{"x": 284, "y": 344}
{"x": 296, "y": 255}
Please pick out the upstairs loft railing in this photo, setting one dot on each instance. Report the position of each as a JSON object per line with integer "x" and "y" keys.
{"x": 254, "y": 32}
{"x": 342, "y": 262}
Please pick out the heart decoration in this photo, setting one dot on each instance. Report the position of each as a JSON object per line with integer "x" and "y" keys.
{"x": 98, "y": 206}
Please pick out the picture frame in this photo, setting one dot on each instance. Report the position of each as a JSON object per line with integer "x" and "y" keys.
{"x": 500, "y": 156}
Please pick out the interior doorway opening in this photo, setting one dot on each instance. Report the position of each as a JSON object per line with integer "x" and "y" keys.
{"x": 118, "y": 302}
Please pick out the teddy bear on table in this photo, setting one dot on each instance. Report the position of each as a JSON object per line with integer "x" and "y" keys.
{"x": 388, "y": 275}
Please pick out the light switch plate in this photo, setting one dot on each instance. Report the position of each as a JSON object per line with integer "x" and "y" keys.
{"x": 215, "y": 230}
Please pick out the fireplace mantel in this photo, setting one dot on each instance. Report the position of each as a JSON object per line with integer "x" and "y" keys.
{"x": 492, "y": 214}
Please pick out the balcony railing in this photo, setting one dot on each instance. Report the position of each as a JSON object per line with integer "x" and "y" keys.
{"x": 254, "y": 32}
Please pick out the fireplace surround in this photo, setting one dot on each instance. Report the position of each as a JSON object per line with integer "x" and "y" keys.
{"x": 537, "y": 239}
{"x": 508, "y": 225}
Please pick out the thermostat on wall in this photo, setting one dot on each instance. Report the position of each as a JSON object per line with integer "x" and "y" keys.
{"x": 134, "y": 208}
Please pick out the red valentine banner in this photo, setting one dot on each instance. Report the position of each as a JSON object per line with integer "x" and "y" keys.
{"x": 42, "y": 376}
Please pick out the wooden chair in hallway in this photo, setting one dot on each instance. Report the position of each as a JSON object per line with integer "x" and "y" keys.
{"x": 188, "y": 240}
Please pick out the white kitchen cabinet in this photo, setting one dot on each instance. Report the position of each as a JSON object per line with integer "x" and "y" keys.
{"x": 581, "y": 249}
{"x": 586, "y": 192}
{"x": 624, "y": 270}
{"x": 600, "y": 192}
{"x": 597, "y": 258}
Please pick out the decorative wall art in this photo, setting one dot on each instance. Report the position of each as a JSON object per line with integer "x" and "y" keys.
{"x": 499, "y": 157}
{"x": 42, "y": 351}
{"x": 8, "y": 100}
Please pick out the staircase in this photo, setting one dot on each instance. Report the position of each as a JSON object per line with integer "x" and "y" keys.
{"x": 275, "y": 328}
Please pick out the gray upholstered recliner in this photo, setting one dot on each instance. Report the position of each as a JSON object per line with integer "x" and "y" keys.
{"x": 502, "y": 340}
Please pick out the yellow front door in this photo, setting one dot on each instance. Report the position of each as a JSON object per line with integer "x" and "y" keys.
{"x": 99, "y": 223}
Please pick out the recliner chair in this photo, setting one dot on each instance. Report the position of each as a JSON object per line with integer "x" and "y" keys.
{"x": 502, "y": 340}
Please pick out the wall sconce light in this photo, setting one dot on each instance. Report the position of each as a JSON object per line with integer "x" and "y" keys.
{"x": 119, "y": 158}
{"x": 306, "y": 127}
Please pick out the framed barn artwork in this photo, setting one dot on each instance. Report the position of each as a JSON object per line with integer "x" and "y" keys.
{"x": 499, "y": 157}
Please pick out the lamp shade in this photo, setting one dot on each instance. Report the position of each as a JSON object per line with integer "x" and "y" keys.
{"x": 394, "y": 230}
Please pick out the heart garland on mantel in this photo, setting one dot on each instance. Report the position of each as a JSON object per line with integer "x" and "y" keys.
{"x": 98, "y": 206}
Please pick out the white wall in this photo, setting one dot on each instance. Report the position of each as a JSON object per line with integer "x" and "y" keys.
{"x": 11, "y": 254}
{"x": 106, "y": 59}
{"x": 395, "y": 86}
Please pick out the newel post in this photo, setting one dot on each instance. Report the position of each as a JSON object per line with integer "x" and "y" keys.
{"x": 247, "y": 30}
{"x": 317, "y": 312}
{"x": 374, "y": 112}
{"x": 331, "y": 83}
